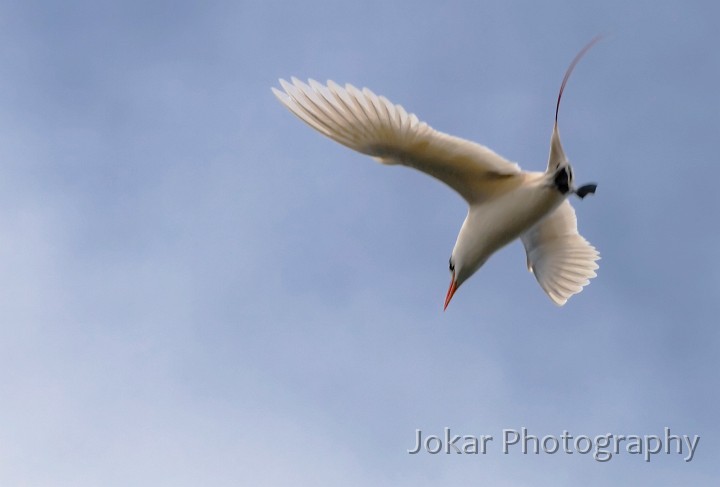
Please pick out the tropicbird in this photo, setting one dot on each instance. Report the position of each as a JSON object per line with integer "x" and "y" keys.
{"x": 505, "y": 203}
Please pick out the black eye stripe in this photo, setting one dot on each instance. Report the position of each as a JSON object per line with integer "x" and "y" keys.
{"x": 452, "y": 267}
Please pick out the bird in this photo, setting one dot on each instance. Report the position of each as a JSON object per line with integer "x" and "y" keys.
{"x": 505, "y": 203}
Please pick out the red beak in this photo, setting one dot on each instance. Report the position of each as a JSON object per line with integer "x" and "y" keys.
{"x": 451, "y": 291}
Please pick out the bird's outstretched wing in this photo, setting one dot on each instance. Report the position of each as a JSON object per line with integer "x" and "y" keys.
{"x": 561, "y": 259}
{"x": 371, "y": 124}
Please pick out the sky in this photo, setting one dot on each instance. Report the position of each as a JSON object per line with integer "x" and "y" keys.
{"x": 198, "y": 289}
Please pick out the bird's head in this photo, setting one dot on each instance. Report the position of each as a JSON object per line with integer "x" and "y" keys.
{"x": 459, "y": 273}
{"x": 453, "y": 284}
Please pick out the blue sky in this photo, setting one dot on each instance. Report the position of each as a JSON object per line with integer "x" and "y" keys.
{"x": 198, "y": 289}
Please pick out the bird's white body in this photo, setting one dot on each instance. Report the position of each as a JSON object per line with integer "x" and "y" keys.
{"x": 491, "y": 225}
{"x": 505, "y": 203}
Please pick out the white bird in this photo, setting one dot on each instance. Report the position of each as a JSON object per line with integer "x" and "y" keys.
{"x": 505, "y": 203}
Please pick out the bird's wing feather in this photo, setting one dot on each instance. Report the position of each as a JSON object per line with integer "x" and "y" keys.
{"x": 561, "y": 259}
{"x": 372, "y": 125}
